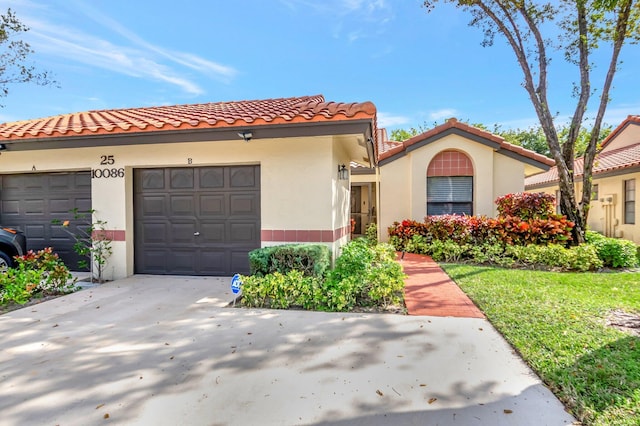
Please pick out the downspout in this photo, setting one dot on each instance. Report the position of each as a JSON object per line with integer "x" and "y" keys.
{"x": 374, "y": 163}
{"x": 378, "y": 210}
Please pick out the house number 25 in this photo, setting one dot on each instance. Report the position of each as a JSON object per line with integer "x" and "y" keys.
{"x": 107, "y": 172}
{"x": 107, "y": 160}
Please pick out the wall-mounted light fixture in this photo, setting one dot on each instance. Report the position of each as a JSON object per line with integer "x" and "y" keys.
{"x": 343, "y": 173}
{"x": 246, "y": 135}
{"x": 3, "y": 147}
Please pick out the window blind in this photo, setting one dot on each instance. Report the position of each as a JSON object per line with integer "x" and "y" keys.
{"x": 442, "y": 189}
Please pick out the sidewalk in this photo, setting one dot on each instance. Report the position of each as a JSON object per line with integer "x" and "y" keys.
{"x": 430, "y": 292}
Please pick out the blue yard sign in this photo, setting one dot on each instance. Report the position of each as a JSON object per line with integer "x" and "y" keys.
{"x": 236, "y": 283}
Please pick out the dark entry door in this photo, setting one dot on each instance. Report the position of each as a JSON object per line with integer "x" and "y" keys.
{"x": 197, "y": 220}
{"x": 30, "y": 201}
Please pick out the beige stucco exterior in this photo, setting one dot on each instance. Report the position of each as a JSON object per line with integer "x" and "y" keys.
{"x": 403, "y": 181}
{"x": 606, "y": 214}
{"x": 300, "y": 189}
{"x": 616, "y": 163}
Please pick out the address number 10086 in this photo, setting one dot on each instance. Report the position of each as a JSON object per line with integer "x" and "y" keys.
{"x": 107, "y": 173}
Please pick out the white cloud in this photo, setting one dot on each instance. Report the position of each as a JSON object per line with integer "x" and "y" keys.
{"x": 389, "y": 120}
{"x": 135, "y": 57}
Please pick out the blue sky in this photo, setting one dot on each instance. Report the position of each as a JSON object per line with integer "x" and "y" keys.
{"x": 415, "y": 67}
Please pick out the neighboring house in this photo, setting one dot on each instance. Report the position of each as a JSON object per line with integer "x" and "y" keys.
{"x": 188, "y": 189}
{"x": 453, "y": 168}
{"x": 616, "y": 172}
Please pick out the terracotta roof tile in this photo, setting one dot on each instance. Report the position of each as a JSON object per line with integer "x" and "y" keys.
{"x": 607, "y": 161}
{"x": 209, "y": 115}
{"x": 392, "y": 150}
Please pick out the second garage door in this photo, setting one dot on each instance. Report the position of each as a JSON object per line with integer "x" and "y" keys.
{"x": 196, "y": 221}
{"x": 31, "y": 201}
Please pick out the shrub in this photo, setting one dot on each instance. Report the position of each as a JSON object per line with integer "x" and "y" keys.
{"x": 364, "y": 275}
{"x": 418, "y": 244}
{"x": 281, "y": 291}
{"x": 446, "y": 251}
{"x": 526, "y": 205}
{"x": 613, "y": 252}
{"x": 36, "y": 273}
{"x": 18, "y": 285}
{"x": 554, "y": 256}
{"x": 371, "y": 234}
{"x": 55, "y": 276}
{"x": 586, "y": 258}
{"x": 310, "y": 259}
{"x": 486, "y": 253}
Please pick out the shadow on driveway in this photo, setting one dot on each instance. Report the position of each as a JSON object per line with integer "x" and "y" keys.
{"x": 164, "y": 351}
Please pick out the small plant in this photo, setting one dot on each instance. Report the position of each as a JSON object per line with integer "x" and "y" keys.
{"x": 36, "y": 273}
{"x": 55, "y": 279}
{"x": 17, "y": 285}
{"x": 92, "y": 241}
{"x": 371, "y": 234}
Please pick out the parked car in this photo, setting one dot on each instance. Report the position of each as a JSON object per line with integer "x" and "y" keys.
{"x": 12, "y": 243}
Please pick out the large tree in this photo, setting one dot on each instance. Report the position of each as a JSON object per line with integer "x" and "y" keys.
{"x": 14, "y": 55}
{"x": 577, "y": 28}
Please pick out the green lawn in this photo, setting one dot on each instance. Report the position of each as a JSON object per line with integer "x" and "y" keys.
{"x": 557, "y": 321}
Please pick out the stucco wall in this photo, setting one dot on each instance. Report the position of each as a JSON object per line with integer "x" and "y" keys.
{"x": 630, "y": 135}
{"x": 395, "y": 194}
{"x": 299, "y": 185}
{"x": 403, "y": 187}
{"x": 506, "y": 178}
{"x": 609, "y": 220}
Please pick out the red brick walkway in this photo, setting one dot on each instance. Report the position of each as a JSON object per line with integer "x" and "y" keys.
{"x": 429, "y": 291}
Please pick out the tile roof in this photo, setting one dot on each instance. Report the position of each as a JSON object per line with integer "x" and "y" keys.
{"x": 384, "y": 144}
{"x": 607, "y": 161}
{"x": 393, "y": 148}
{"x": 631, "y": 119}
{"x": 303, "y": 109}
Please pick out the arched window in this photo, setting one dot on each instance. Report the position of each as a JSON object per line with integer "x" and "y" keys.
{"x": 450, "y": 184}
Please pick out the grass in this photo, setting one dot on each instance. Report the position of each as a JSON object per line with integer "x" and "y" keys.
{"x": 557, "y": 321}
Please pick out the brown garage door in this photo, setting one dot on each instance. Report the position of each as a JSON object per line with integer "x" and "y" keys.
{"x": 196, "y": 221}
{"x": 31, "y": 201}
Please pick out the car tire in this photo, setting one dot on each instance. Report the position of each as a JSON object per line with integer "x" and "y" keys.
{"x": 5, "y": 262}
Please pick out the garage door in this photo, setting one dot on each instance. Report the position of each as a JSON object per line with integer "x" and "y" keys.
{"x": 31, "y": 201}
{"x": 196, "y": 221}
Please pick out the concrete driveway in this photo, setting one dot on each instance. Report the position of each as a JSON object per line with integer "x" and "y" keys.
{"x": 151, "y": 350}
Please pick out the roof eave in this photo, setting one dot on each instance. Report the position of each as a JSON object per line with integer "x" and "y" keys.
{"x": 363, "y": 126}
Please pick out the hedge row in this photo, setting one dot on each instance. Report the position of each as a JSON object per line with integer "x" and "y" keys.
{"x": 480, "y": 230}
{"x": 313, "y": 260}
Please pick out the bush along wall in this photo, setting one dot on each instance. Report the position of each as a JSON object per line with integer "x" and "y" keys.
{"x": 312, "y": 260}
{"x": 365, "y": 275}
{"x": 526, "y": 233}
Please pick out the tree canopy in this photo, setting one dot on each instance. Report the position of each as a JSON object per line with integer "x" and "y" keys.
{"x": 14, "y": 56}
{"x": 532, "y": 138}
{"x": 535, "y": 31}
